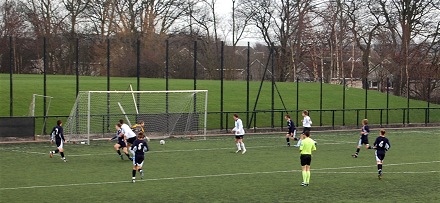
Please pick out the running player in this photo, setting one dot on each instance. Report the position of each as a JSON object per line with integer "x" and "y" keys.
{"x": 363, "y": 139}
{"x": 306, "y": 148}
{"x": 307, "y": 126}
{"x": 291, "y": 130}
{"x": 130, "y": 135}
{"x": 58, "y": 135}
{"x": 121, "y": 142}
{"x": 239, "y": 133}
{"x": 382, "y": 145}
{"x": 138, "y": 150}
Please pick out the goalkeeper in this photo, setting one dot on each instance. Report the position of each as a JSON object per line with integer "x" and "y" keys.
{"x": 138, "y": 127}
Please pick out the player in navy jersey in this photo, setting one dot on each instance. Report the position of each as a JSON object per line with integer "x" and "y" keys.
{"x": 382, "y": 145}
{"x": 363, "y": 139}
{"x": 122, "y": 142}
{"x": 138, "y": 150}
{"x": 58, "y": 135}
{"x": 291, "y": 130}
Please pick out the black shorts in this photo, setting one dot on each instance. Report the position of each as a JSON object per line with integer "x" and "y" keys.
{"x": 239, "y": 136}
{"x": 59, "y": 143}
{"x": 123, "y": 144}
{"x": 306, "y": 159}
{"x": 306, "y": 129}
{"x": 138, "y": 160}
{"x": 131, "y": 140}
{"x": 292, "y": 133}
{"x": 363, "y": 140}
{"x": 380, "y": 156}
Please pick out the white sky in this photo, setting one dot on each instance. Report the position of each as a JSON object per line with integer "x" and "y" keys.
{"x": 224, "y": 10}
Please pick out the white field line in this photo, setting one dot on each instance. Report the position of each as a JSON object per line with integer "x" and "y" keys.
{"x": 227, "y": 174}
{"x": 171, "y": 151}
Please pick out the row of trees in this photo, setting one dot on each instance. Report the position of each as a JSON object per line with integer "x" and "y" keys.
{"x": 311, "y": 39}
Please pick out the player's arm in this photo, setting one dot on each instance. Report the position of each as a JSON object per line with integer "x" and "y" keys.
{"x": 62, "y": 135}
{"x": 52, "y": 136}
{"x": 133, "y": 148}
{"x": 310, "y": 121}
{"x": 375, "y": 143}
{"x": 146, "y": 148}
{"x": 387, "y": 145}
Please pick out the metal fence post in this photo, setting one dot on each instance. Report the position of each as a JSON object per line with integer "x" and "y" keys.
{"x": 343, "y": 102}
{"x": 221, "y": 82}
{"x": 11, "y": 72}
{"x": 320, "y": 101}
{"x": 247, "y": 83}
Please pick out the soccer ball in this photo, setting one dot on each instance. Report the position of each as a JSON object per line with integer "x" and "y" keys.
{"x": 162, "y": 142}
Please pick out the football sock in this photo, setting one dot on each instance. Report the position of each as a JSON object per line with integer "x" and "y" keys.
{"x": 299, "y": 142}
{"x": 304, "y": 174}
{"x": 62, "y": 154}
{"x": 308, "y": 177}
{"x": 119, "y": 152}
{"x": 56, "y": 151}
{"x": 357, "y": 150}
{"x": 133, "y": 174}
{"x": 288, "y": 140}
{"x": 140, "y": 170}
{"x": 379, "y": 167}
{"x": 128, "y": 155}
{"x": 238, "y": 146}
{"x": 242, "y": 146}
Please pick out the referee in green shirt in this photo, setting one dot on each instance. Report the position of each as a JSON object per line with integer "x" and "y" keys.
{"x": 306, "y": 148}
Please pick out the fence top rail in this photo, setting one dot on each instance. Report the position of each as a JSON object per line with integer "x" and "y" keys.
{"x": 315, "y": 110}
{"x": 169, "y": 91}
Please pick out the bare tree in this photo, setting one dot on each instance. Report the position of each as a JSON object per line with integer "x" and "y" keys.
{"x": 365, "y": 22}
{"x": 409, "y": 22}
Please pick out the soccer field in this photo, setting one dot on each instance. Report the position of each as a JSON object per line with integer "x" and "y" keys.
{"x": 185, "y": 170}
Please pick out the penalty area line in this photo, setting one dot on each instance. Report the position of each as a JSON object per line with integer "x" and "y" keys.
{"x": 319, "y": 170}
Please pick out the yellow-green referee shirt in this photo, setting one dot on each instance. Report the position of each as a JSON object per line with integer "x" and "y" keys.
{"x": 307, "y": 146}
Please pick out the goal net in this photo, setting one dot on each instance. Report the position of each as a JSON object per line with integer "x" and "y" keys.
{"x": 165, "y": 113}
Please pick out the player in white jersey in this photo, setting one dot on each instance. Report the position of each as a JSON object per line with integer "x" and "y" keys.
{"x": 239, "y": 133}
{"x": 307, "y": 126}
{"x": 131, "y": 136}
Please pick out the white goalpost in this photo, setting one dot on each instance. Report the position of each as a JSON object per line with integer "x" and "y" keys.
{"x": 37, "y": 100}
{"x": 165, "y": 113}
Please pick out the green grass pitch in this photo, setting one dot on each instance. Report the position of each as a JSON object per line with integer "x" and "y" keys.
{"x": 62, "y": 88}
{"x": 185, "y": 170}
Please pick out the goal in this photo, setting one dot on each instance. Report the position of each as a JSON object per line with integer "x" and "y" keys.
{"x": 165, "y": 113}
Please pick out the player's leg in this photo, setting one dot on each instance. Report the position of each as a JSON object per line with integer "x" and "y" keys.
{"x": 237, "y": 143}
{"x": 367, "y": 146}
{"x": 126, "y": 152}
{"x": 288, "y": 139}
{"x": 294, "y": 135}
{"x": 133, "y": 172}
{"x": 303, "y": 170}
{"x": 55, "y": 151}
{"x": 301, "y": 137}
{"x": 141, "y": 172}
{"x": 379, "y": 161}
{"x": 61, "y": 149}
{"x": 309, "y": 161}
{"x": 358, "y": 148}
{"x": 242, "y": 145}
{"x": 117, "y": 147}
